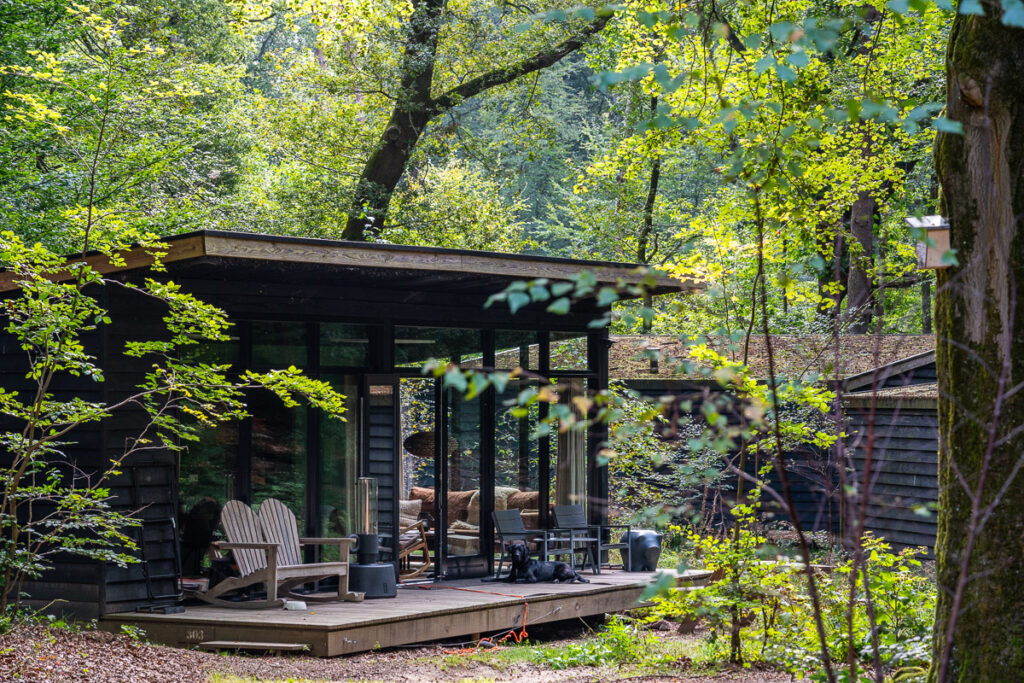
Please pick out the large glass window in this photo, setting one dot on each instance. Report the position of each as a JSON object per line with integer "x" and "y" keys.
{"x": 464, "y": 461}
{"x": 339, "y": 459}
{"x": 516, "y": 456}
{"x": 413, "y": 345}
{"x": 343, "y": 345}
{"x": 569, "y": 469}
{"x": 206, "y": 471}
{"x": 569, "y": 351}
{"x": 278, "y": 460}
{"x": 516, "y": 349}
{"x": 279, "y": 344}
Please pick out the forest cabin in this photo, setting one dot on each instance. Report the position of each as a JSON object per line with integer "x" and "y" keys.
{"x": 365, "y": 317}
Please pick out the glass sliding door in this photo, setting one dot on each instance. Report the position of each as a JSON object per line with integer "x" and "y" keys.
{"x": 338, "y": 464}
{"x": 278, "y": 458}
{"x": 279, "y": 437}
{"x": 466, "y": 488}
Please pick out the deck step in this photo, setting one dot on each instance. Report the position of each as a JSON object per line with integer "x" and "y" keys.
{"x": 250, "y": 645}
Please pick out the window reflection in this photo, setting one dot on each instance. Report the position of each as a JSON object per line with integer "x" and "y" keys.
{"x": 413, "y": 345}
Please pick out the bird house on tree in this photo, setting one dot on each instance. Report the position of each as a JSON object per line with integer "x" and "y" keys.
{"x": 931, "y": 250}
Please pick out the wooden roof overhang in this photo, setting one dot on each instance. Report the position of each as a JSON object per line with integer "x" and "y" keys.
{"x": 250, "y": 274}
{"x": 428, "y": 268}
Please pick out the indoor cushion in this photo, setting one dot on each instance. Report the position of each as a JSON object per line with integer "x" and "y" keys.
{"x": 524, "y": 500}
{"x": 501, "y": 496}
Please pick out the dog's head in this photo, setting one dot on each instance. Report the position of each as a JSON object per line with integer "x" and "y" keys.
{"x": 520, "y": 553}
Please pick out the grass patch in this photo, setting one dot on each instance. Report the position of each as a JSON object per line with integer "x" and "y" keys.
{"x": 618, "y": 644}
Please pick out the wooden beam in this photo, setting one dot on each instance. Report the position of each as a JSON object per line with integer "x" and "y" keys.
{"x": 410, "y": 258}
{"x": 177, "y": 250}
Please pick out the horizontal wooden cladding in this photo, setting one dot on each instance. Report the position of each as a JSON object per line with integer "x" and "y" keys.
{"x": 375, "y": 305}
{"x": 337, "y": 254}
{"x": 179, "y": 250}
{"x": 895, "y": 418}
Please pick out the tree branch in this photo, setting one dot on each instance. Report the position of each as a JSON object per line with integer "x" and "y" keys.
{"x": 501, "y": 76}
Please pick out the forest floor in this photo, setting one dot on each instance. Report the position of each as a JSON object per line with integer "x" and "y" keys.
{"x": 58, "y": 655}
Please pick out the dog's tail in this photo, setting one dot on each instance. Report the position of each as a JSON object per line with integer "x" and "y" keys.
{"x": 581, "y": 579}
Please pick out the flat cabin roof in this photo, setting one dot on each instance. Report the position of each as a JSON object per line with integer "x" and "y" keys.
{"x": 229, "y": 255}
{"x": 795, "y": 355}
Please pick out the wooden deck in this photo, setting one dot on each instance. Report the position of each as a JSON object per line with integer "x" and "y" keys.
{"x": 420, "y": 613}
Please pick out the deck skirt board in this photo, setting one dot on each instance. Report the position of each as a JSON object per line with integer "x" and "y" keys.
{"x": 416, "y": 615}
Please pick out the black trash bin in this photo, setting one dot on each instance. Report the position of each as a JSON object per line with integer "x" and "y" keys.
{"x": 644, "y": 549}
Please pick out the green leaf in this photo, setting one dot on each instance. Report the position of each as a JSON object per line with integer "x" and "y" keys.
{"x": 781, "y": 30}
{"x": 945, "y": 125}
{"x": 560, "y": 288}
{"x": 949, "y": 258}
{"x": 607, "y": 296}
{"x": 971, "y": 7}
{"x": 1013, "y": 13}
{"x": 454, "y": 378}
{"x": 899, "y": 6}
{"x": 798, "y": 59}
{"x": 785, "y": 73}
{"x": 517, "y": 300}
{"x": 539, "y": 293}
{"x": 585, "y": 13}
{"x": 559, "y": 306}
{"x": 764, "y": 64}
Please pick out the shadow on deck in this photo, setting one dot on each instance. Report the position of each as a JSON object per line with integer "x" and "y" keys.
{"x": 420, "y": 613}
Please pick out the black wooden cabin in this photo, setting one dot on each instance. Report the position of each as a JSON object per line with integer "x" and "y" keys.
{"x": 365, "y": 317}
{"x": 897, "y": 424}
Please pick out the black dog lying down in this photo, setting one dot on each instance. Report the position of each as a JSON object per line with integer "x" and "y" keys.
{"x": 535, "y": 571}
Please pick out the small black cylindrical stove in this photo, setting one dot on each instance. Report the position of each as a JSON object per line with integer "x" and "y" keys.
{"x": 376, "y": 580}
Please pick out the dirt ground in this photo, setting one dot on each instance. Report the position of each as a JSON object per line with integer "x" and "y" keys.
{"x": 44, "y": 655}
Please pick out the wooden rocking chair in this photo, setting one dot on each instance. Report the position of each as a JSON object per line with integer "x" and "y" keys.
{"x": 413, "y": 539}
{"x": 266, "y": 550}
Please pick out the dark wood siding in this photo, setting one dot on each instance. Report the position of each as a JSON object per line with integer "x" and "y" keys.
{"x": 904, "y": 469}
{"x": 380, "y": 460}
{"x": 145, "y": 489}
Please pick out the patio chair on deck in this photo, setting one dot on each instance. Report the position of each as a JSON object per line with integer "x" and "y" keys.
{"x": 266, "y": 550}
{"x": 413, "y": 538}
{"x": 571, "y": 519}
{"x": 509, "y": 527}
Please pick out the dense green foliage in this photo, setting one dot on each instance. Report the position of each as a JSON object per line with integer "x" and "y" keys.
{"x": 672, "y": 136}
{"x": 58, "y": 501}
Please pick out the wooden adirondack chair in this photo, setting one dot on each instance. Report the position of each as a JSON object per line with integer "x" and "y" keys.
{"x": 267, "y": 553}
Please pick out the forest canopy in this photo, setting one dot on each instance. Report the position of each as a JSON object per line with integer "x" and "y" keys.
{"x": 660, "y": 134}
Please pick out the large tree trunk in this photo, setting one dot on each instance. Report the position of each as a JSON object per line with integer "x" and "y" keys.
{"x": 413, "y": 110}
{"x": 979, "y": 628}
{"x": 860, "y": 287}
{"x": 859, "y": 284}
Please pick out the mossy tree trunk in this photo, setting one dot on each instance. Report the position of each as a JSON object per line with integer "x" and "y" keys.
{"x": 979, "y": 631}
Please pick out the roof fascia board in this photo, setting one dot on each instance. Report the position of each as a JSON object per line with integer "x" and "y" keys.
{"x": 340, "y": 254}
{"x": 884, "y": 372}
{"x": 183, "y": 249}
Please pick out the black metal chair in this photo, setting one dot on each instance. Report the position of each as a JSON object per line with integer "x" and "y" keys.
{"x": 571, "y": 519}
{"x": 509, "y": 528}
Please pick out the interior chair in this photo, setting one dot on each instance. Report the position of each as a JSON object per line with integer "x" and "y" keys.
{"x": 571, "y": 520}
